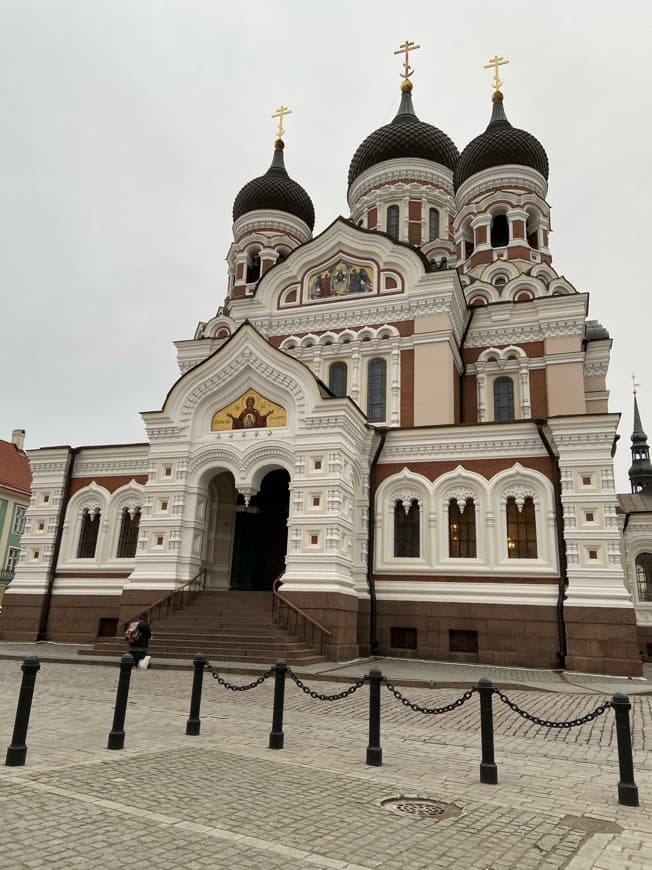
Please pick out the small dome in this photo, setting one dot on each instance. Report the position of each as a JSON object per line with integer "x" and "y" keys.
{"x": 277, "y": 191}
{"x": 405, "y": 136}
{"x": 500, "y": 145}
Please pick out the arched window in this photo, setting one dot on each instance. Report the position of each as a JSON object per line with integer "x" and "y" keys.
{"x": 128, "y": 540}
{"x": 253, "y": 267}
{"x": 499, "y": 231}
{"x": 392, "y": 221}
{"x": 521, "y": 529}
{"x": 90, "y": 527}
{"x": 337, "y": 375}
{"x": 433, "y": 224}
{"x": 461, "y": 530}
{"x": 503, "y": 400}
{"x": 644, "y": 577}
{"x": 376, "y": 390}
{"x": 406, "y": 530}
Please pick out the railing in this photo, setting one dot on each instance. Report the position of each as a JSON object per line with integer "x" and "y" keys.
{"x": 172, "y": 601}
{"x": 296, "y": 621}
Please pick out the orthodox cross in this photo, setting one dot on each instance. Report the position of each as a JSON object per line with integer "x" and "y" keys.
{"x": 495, "y": 62}
{"x": 634, "y": 383}
{"x": 405, "y": 49}
{"x": 280, "y": 113}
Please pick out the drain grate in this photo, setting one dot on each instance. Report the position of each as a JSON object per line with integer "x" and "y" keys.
{"x": 420, "y": 808}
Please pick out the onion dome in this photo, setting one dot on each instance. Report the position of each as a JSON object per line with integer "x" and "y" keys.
{"x": 276, "y": 191}
{"x": 405, "y": 136}
{"x": 500, "y": 145}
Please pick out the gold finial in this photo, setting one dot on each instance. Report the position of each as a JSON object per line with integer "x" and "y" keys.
{"x": 494, "y": 63}
{"x": 635, "y": 385}
{"x": 406, "y": 48}
{"x": 280, "y": 114}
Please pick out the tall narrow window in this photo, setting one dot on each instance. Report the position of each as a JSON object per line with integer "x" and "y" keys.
{"x": 392, "y": 221}
{"x": 90, "y": 527}
{"x": 521, "y": 529}
{"x": 406, "y": 530}
{"x": 644, "y": 577}
{"x": 253, "y": 268}
{"x": 128, "y": 540}
{"x": 503, "y": 400}
{"x": 19, "y": 520}
{"x": 433, "y": 227}
{"x": 461, "y": 530}
{"x": 337, "y": 375}
{"x": 376, "y": 390}
{"x": 499, "y": 231}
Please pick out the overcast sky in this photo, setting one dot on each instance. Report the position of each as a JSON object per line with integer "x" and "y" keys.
{"x": 127, "y": 128}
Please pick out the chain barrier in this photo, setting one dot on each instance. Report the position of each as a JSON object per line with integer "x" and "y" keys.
{"x": 233, "y": 687}
{"x": 545, "y": 723}
{"x": 320, "y": 696}
{"x": 435, "y": 711}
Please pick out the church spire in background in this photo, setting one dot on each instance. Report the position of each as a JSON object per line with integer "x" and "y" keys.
{"x": 640, "y": 472}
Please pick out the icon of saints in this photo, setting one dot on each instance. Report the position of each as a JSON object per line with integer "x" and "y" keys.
{"x": 250, "y": 417}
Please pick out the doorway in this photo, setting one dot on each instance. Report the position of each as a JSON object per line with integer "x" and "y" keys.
{"x": 260, "y": 534}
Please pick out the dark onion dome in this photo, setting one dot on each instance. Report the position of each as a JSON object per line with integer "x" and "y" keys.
{"x": 405, "y": 136}
{"x": 275, "y": 190}
{"x": 500, "y": 145}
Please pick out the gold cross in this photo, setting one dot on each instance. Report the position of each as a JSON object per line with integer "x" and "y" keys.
{"x": 280, "y": 113}
{"x": 495, "y": 62}
{"x": 634, "y": 383}
{"x": 405, "y": 49}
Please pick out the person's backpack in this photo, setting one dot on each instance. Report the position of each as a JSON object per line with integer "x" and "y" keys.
{"x": 133, "y": 633}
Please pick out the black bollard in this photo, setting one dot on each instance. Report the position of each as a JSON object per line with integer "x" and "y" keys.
{"x": 193, "y": 724}
{"x": 276, "y": 734}
{"x": 117, "y": 733}
{"x": 374, "y": 751}
{"x": 17, "y": 751}
{"x": 488, "y": 769}
{"x": 627, "y": 788}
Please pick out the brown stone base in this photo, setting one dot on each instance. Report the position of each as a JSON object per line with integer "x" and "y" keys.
{"x": 602, "y": 640}
{"x": 72, "y": 618}
{"x": 339, "y": 614}
{"x": 517, "y": 635}
{"x": 645, "y": 642}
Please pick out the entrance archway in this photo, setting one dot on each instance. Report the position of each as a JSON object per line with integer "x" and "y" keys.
{"x": 260, "y": 534}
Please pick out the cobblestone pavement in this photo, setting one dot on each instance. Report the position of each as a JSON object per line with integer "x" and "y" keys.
{"x": 224, "y": 800}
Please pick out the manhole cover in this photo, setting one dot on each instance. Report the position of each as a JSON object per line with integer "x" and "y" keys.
{"x": 420, "y": 808}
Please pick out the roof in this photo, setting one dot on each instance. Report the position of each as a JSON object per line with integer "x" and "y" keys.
{"x": 405, "y": 136}
{"x": 500, "y": 145}
{"x": 15, "y": 472}
{"x": 277, "y": 191}
{"x": 633, "y": 503}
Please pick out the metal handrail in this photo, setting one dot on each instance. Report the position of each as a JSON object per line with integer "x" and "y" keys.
{"x": 279, "y": 601}
{"x": 169, "y": 601}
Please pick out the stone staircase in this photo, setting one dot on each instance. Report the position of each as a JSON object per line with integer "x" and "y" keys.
{"x": 223, "y": 626}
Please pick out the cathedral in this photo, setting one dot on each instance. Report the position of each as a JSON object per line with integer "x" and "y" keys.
{"x": 400, "y": 426}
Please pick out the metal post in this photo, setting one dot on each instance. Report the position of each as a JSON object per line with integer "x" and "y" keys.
{"x": 193, "y": 724}
{"x": 17, "y": 751}
{"x": 627, "y": 788}
{"x": 488, "y": 769}
{"x": 276, "y": 734}
{"x": 374, "y": 751}
{"x": 117, "y": 733}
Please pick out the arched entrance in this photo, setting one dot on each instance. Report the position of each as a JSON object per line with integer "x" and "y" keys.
{"x": 260, "y": 534}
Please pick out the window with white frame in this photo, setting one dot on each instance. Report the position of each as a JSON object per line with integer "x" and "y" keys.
{"x": 19, "y": 520}
{"x": 128, "y": 539}
{"x": 393, "y": 221}
{"x": 13, "y": 554}
{"x": 521, "y": 528}
{"x": 503, "y": 390}
{"x": 461, "y": 529}
{"x": 376, "y": 390}
{"x": 88, "y": 533}
{"x": 337, "y": 378}
{"x": 644, "y": 577}
{"x": 406, "y": 529}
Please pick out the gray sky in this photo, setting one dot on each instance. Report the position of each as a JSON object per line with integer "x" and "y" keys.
{"x": 127, "y": 127}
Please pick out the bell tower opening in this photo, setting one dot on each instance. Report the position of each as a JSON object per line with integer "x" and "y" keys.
{"x": 260, "y": 535}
